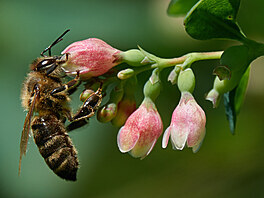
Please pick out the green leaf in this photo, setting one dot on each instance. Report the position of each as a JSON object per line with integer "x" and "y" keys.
{"x": 241, "y": 91}
{"x": 233, "y": 100}
{"x": 210, "y": 19}
{"x": 236, "y": 58}
{"x": 180, "y": 7}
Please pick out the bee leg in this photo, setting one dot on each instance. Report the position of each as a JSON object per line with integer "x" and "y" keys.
{"x": 68, "y": 114}
{"x": 90, "y": 105}
{"x": 70, "y": 87}
{"x": 51, "y": 69}
{"x": 76, "y": 124}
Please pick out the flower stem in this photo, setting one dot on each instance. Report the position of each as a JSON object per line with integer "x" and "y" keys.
{"x": 185, "y": 60}
{"x": 189, "y": 59}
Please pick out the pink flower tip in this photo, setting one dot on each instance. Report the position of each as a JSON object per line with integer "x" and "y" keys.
{"x": 187, "y": 125}
{"x": 92, "y": 57}
{"x": 141, "y": 131}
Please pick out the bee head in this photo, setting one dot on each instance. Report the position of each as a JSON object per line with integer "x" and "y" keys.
{"x": 45, "y": 64}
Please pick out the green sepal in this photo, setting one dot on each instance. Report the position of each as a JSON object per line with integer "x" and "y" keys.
{"x": 153, "y": 86}
{"x": 186, "y": 80}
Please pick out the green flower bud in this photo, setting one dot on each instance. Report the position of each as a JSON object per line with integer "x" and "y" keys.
{"x": 85, "y": 94}
{"x": 223, "y": 86}
{"x": 132, "y": 57}
{"x": 153, "y": 86}
{"x": 107, "y": 112}
{"x": 186, "y": 81}
{"x": 237, "y": 59}
{"x": 126, "y": 73}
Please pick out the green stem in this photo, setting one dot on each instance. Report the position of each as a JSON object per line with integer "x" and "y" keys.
{"x": 185, "y": 60}
{"x": 161, "y": 63}
{"x": 189, "y": 58}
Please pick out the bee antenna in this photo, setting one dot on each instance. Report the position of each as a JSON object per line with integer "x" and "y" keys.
{"x": 54, "y": 43}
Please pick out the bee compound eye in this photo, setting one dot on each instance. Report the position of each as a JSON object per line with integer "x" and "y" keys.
{"x": 46, "y": 63}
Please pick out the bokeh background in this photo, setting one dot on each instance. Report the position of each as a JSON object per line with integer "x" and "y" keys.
{"x": 225, "y": 166}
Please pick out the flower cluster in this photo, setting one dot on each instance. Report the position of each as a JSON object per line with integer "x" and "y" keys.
{"x": 140, "y": 127}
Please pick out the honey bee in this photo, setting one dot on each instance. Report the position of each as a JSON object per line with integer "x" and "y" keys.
{"x": 46, "y": 99}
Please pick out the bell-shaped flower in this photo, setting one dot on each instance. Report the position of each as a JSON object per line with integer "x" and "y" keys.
{"x": 187, "y": 124}
{"x": 92, "y": 57}
{"x": 141, "y": 130}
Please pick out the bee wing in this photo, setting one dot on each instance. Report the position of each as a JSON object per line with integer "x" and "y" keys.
{"x": 26, "y": 128}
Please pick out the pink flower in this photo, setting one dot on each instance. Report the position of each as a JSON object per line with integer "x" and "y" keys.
{"x": 141, "y": 130}
{"x": 92, "y": 57}
{"x": 187, "y": 124}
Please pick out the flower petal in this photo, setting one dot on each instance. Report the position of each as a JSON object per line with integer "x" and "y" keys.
{"x": 150, "y": 149}
{"x": 142, "y": 151}
{"x": 166, "y": 137}
{"x": 179, "y": 137}
{"x": 196, "y": 148}
{"x": 126, "y": 139}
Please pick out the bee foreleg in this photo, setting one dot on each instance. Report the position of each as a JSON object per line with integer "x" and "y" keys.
{"x": 69, "y": 86}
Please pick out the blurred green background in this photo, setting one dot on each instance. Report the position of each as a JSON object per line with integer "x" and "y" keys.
{"x": 225, "y": 166}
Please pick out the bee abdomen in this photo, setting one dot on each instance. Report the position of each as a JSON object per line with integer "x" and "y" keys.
{"x": 55, "y": 146}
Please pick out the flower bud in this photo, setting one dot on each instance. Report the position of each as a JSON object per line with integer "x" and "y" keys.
{"x": 186, "y": 80}
{"x": 92, "y": 57}
{"x": 107, "y": 113}
{"x": 133, "y": 57}
{"x": 125, "y": 74}
{"x": 141, "y": 130}
{"x": 223, "y": 86}
{"x": 237, "y": 60}
{"x": 153, "y": 86}
{"x": 187, "y": 124}
{"x": 85, "y": 94}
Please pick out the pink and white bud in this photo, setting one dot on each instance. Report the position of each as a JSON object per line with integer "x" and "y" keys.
{"x": 141, "y": 130}
{"x": 187, "y": 124}
{"x": 92, "y": 57}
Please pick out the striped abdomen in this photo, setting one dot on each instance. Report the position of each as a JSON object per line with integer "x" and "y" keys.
{"x": 55, "y": 146}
